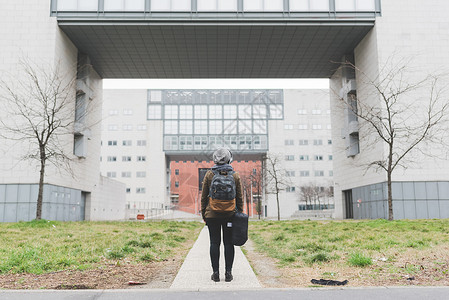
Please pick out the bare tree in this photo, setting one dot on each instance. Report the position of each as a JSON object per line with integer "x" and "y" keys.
{"x": 312, "y": 192}
{"x": 257, "y": 181}
{"x": 410, "y": 114}
{"x": 247, "y": 189}
{"x": 277, "y": 180}
{"x": 41, "y": 107}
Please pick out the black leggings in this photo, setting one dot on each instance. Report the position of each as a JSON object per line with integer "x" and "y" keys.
{"x": 215, "y": 226}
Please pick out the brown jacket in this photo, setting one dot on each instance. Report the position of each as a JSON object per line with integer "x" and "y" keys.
{"x": 206, "y": 212}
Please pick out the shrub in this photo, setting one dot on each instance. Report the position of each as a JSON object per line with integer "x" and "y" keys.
{"x": 359, "y": 260}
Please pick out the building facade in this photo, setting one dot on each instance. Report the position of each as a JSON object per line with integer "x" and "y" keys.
{"x": 179, "y": 129}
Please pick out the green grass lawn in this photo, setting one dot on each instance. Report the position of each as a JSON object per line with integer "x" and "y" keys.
{"x": 45, "y": 246}
{"x": 351, "y": 243}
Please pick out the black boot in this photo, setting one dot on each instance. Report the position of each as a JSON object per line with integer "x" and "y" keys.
{"x": 228, "y": 276}
{"x": 215, "y": 276}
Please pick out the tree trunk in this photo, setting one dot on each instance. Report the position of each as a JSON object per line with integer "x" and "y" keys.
{"x": 277, "y": 200}
{"x": 41, "y": 184}
{"x": 390, "y": 198}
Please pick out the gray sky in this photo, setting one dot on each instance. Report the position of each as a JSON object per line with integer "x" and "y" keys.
{"x": 216, "y": 83}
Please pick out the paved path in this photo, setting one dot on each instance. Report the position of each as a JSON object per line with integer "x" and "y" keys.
{"x": 196, "y": 269}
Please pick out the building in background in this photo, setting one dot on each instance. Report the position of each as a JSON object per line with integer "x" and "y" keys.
{"x": 158, "y": 141}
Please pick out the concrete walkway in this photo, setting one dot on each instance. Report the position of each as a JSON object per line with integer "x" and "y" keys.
{"x": 196, "y": 269}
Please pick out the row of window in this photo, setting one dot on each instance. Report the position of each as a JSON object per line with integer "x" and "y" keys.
{"x": 247, "y": 142}
{"x": 227, "y": 111}
{"x": 126, "y": 112}
{"x": 113, "y": 174}
{"x": 318, "y": 173}
{"x": 306, "y": 126}
{"x": 125, "y": 158}
{"x": 304, "y": 157}
{"x": 216, "y": 127}
{"x": 314, "y": 111}
{"x": 127, "y": 143}
{"x": 306, "y": 142}
{"x": 126, "y": 127}
{"x": 216, "y": 5}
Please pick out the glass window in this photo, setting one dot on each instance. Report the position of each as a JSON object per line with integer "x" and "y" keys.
{"x": 171, "y": 143}
{"x": 185, "y": 127}
{"x": 319, "y": 5}
{"x": 171, "y": 127}
{"x": 289, "y": 157}
{"x": 303, "y": 142}
{"x": 230, "y": 112}
{"x": 215, "y": 142}
{"x": 245, "y": 127}
{"x": 68, "y": 5}
{"x": 113, "y": 5}
{"x": 134, "y": 5}
{"x": 215, "y": 112}
{"x": 160, "y": 5}
{"x": 309, "y": 5}
{"x": 154, "y": 112}
{"x": 316, "y": 111}
{"x": 230, "y": 127}
{"x": 227, "y": 5}
{"x": 365, "y": 5}
{"x": 185, "y": 143}
{"x": 112, "y": 127}
{"x": 141, "y": 174}
{"x": 215, "y": 127}
{"x": 217, "y": 5}
{"x": 288, "y": 126}
{"x": 304, "y": 173}
{"x": 303, "y": 157}
{"x": 316, "y": 126}
{"x": 253, "y": 5}
{"x": 259, "y": 111}
{"x": 126, "y": 158}
{"x": 171, "y": 112}
{"x": 245, "y": 142}
{"x": 245, "y": 112}
{"x": 77, "y": 5}
{"x": 141, "y": 142}
{"x": 180, "y": 5}
{"x": 185, "y": 112}
{"x": 141, "y": 127}
{"x": 260, "y": 126}
{"x": 231, "y": 142}
{"x": 276, "y": 111}
{"x": 200, "y": 142}
{"x": 345, "y": 5}
{"x": 303, "y": 126}
{"x": 127, "y": 143}
{"x": 302, "y": 112}
{"x": 126, "y": 174}
{"x": 274, "y": 5}
{"x": 200, "y": 111}
{"x": 200, "y": 127}
{"x": 127, "y": 127}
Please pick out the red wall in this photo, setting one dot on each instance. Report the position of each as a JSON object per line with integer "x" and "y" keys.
{"x": 189, "y": 195}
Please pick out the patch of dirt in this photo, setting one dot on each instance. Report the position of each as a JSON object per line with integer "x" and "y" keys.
{"x": 265, "y": 268}
{"x": 153, "y": 275}
{"x": 421, "y": 268}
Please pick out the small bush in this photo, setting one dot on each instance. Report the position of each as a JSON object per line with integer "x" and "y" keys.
{"x": 359, "y": 260}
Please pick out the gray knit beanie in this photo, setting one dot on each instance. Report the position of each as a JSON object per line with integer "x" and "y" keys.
{"x": 222, "y": 156}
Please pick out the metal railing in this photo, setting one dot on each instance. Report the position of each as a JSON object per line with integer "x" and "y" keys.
{"x": 203, "y": 10}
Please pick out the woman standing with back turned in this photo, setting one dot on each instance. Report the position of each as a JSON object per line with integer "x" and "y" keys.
{"x": 221, "y": 195}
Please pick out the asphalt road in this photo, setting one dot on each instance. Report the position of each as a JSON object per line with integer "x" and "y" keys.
{"x": 391, "y": 293}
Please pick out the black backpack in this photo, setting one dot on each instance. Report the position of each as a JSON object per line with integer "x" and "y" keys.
{"x": 222, "y": 191}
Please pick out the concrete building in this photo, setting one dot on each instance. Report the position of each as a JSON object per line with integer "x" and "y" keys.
{"x": 292, "y": 124}
{"x": 230, "y": 39}
{"x": 29, "y": 34}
